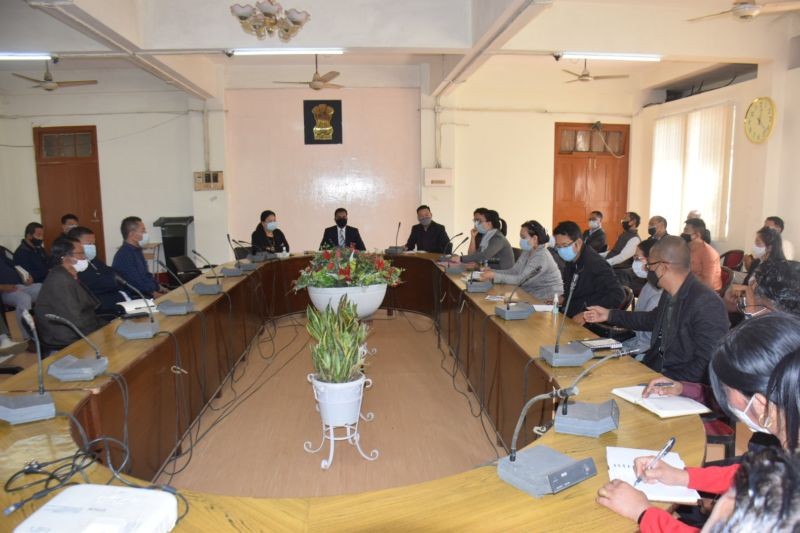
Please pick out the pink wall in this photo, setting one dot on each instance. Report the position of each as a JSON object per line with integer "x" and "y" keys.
{"x": 374, "y": 173}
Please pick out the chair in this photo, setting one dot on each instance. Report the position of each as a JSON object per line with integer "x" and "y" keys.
{"x": 733, "y": 259}
{"x": 618, "y": 333}
{"x": 719, "y": 431}
{"x": 517, "y": 253}
{"x": 184, "y": 267}
{"x": 241, "y": 252}
{"x": 727, "y": 279}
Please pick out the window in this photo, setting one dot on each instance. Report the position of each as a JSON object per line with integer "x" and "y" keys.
{"x": 692, "y": 155}
{"x": 66, "y": 145}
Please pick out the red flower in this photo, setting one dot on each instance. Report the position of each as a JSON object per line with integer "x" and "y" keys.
{"x": 330, "y": 266}
{"x": 326, "y": 255}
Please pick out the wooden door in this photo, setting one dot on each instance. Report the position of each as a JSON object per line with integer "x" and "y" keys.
{"x": 69, "y": 180}
{"x": 591, "y": 175}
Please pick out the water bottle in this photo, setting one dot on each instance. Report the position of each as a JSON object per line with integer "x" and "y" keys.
{"x": 554, "y": 310}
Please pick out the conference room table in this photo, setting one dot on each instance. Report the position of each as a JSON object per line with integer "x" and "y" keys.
{"x": 172, "y": 377}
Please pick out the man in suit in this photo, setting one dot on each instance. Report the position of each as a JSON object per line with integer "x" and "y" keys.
{"x": 596, "y": 283}
{"x": 595, "y": 236}
{"x": 64, "y": 295}
{"x": 341, "y": 234}
{"x": 688, "y": 322}
{"x": 99, "y": 278}
{"x": 30, "y": 253}
{"x": 129, "y": 260}
{"x": 428, "y": 236}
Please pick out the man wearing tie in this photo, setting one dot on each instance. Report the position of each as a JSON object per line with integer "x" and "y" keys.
{"x": 341, "y": 234}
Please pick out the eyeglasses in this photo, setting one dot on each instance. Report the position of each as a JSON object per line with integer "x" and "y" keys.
{"x": 567, "y": 245}
{"x": 639, "y": 258}
{"x": 652, "y": 266}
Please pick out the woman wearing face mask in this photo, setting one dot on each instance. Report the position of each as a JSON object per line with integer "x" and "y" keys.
{"x": 648, "y": 296}
{"x": 494, "y": 248}
{"x": 63, "y": 295}
{"x": 756, "y": 379}
{"x": 474, "y": 236}
{"x": 767, "y": 246}
{"x": 546, "y": 281}
{"x": 267, "y": 237}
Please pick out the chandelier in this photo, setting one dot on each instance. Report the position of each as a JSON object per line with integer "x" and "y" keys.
{"x": 268, "y": 17}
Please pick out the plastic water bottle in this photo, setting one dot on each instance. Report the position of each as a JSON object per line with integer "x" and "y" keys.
{"x": 554, "y": 310}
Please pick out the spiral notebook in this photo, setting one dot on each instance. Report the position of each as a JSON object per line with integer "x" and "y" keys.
{"x": 620, "y": 466}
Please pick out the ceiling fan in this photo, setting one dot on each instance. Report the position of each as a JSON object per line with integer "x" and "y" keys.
{"x": 48, "y": 84}
{"x": 586, "y": 76}
{"x": 317, "y": 82}
{"x": 750, "y": 10}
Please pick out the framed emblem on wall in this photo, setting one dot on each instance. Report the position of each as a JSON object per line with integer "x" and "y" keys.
{"x": 323, "y": 121}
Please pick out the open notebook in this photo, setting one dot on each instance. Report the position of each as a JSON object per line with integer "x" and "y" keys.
{"x": 620, "y": 466}
{"x": 663, "y": 406}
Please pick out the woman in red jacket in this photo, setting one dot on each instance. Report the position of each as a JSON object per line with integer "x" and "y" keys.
{"x": 755, "y": 374}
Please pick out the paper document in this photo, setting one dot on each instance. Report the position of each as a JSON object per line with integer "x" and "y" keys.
{"x": 620, "y": 466}
{"x": 663, "y": 406}
{"x": 133, "y": 307}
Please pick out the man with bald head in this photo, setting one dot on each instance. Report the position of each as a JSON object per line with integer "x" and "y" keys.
{"x": 687, "y": 323}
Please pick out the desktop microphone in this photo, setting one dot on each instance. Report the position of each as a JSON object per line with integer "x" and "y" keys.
{"x": 168, "y": 307}
{"x": 244, "y": 267}
{"x": 19, "y": 409}
{"x": 455, "y": 269}
{"x": 521, "y": 310}
{"x": 71, "y": 368}
{"x": 445, "y": 256}
{"x": 459, "y": 245}
{"x": 255, "y": 257}
{"x": 137, "y": 330}
{"x": 394, "y": 250}
{"x": 207, "y": 288}
{"x": 573, "y": 354}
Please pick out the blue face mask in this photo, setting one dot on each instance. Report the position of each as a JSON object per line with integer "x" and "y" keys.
{"x": 272, "y": 226}
{"x": 525, "y": 244}
{"x": 90, "y": 250}
{"x": 480, "y": 227}
{"x": 568, "y": 253}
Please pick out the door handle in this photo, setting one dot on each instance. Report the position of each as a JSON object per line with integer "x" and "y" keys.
{"x": 94, "y": 216}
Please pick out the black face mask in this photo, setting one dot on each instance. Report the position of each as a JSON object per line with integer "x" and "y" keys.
{"x": 651, "y": 230}
{"x": 341, "y": 222}
{"x": 37, "y": 242}
{"x": 686, "y": 237}
{"x": 652, "y": 279}
{"x": 626, "y": 225}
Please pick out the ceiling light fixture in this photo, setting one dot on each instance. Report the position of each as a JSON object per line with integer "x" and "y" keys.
{"x": 267, "y": 17}
{"x": 610, "y": 56}
{"x": 284, "y": 51}
{"x": 24, "y": 56}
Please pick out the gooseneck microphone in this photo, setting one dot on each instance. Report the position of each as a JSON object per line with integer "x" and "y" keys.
{"x": 71, "y": 368}
{"x": 459, "y": 245}
{"x": 572, "y": 286}
{"x": 445, "y": 256}
{"x": 122, "y": 281}
{"x": 169, "y": 307}
{"x": 207, "y": 288}
{"x": 522, "y": 282}
{"x": 558, "y": 393}
{"x": 394, "y": 250}
{"x": 26, "y": 316}
{"x": 131, "y": 330}
{"x": 208, "y": 264}
{"x": 573, "y": 354}
{"x": 397, "y": 233}
{"x": 73, "y": 327}
{"x": 244, "y": 267}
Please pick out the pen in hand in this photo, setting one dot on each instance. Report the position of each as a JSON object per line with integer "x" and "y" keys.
{"x": 664, "y": 451}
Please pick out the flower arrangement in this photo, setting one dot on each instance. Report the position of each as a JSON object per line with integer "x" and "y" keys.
{"x": 338, "y": 356}
{"x": 347, "y": 267}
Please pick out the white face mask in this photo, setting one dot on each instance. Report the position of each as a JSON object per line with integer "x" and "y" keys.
{"x": 271, "y": 226}
{"x": 742, "y": 416}
{"x": 594, "y": 224}
{"x": 638, "y": 269}
{"x": 145, "y": 239}
{"x": 758, "y": 251}
{"x": 90, "y": 250}
{"x": 81, "y": 265}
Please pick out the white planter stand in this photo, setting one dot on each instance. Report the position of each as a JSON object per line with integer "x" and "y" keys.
{"x": 367, "y": 299}
{"x": 339, "y": 406}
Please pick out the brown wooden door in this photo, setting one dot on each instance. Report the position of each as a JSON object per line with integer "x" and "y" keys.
{"x": 69, "y": 180}
{"x": 588, "y": 177}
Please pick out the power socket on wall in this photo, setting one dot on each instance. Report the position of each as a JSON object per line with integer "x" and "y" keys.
{"x": 209, "y": 180}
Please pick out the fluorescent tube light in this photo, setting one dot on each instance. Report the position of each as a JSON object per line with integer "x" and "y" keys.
{"x": 24, "y": 56}
{"x": 284, "y": 51}
{"x": 611, "y": 56}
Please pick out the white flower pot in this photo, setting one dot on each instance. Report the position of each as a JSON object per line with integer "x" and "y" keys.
{"x": 339, "y": 403}
{"x": 367, "y": 299}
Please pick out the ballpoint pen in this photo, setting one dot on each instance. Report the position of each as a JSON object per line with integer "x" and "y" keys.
{"x": 664, "y": 451}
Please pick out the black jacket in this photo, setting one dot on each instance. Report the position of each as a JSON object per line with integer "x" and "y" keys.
{"x": 101, "y": 280}
{"x": 597, "y": 284}
{"x": 33, "y": 259}
{"x": 596, "y": 240}
{"x": 434, "y": 239}
{"x": 262, "y": 243}
{"x": 699, "y": 322}
{"x": 330, "y": 239}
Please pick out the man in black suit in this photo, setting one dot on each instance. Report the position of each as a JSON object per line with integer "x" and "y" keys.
{"x": 595, "y": 236}
{"x": 428, "y": 236}
{"x": 341, "y": 234}
{"x": 99, "y": 278}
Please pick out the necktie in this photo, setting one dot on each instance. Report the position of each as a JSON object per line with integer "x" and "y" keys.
{"x": 341, "y": 236}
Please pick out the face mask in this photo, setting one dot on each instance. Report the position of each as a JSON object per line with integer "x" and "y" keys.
{"x": 425, "y": 221}
{"x": 525, "y": 245}
{"x": 341, "y": 222}
{"x": 271, "y": 226}
{"x": 90, "y": 250}
{"x": 567, "y": 253}
{"x": 638, "y": 269}
{"x": 594, "y": 224}
{"x": 70, "y": 226}
{"x": 626, "y": 225}
{"x": 481, "y": 228}
{"x": 145, "y": 239}
{"x": 37, "y": 242}
{"x": 81, "y": 265}
{"x": 686, "y": 237}
{"x": 759, "y": 251}
{"x": 652, "y": 279}
{"x": 651, "y": 230}
{"x": 742, "y": 416}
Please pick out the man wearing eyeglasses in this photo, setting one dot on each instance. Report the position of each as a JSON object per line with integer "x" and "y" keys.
{"x": 687, "y": 323}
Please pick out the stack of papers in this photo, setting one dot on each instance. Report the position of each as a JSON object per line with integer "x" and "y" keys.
{"x": 663, "y": 406}
{"x": 620, "y": 466}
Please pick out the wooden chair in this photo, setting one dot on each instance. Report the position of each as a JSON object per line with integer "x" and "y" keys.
{"x": 733, "y": 259}
{"x": 727, "y": 279}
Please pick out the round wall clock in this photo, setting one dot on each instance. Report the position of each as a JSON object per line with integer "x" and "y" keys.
{"x": 759, "y": 119}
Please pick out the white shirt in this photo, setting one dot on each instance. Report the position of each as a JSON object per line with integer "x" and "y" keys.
{"x": 788, "y": 250}
{"x": 627, "y": 252}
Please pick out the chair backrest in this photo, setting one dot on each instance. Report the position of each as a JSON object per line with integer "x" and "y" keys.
{"x": 727, "y": 279}
{"x": 183, "y": 263}
{"x": 241, "y": 252}
{"x": 517, "y": 253}
{"x": 732, "y": 259}
{"x": 8, "y": 254}
{"x": 628, "y": 300}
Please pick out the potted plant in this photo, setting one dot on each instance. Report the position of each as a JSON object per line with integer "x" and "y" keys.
{"x": 361, "y": 276}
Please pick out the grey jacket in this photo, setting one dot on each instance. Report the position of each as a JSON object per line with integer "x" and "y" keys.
{"x": 498, "y": 253}
{"x": 543, "y": 285}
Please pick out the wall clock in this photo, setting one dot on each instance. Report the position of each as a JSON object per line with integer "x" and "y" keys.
{"x": 759, "y": 119}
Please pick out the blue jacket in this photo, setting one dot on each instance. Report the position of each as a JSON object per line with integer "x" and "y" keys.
{"x": 33, "y": 259}
{"x": 8, "y": 274}
{"x": 101, "y": 281}
{"x": 130, "y": 263}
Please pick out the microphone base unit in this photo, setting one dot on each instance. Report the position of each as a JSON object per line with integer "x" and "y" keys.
{"x": 207, "y": 289}
{"x": 479, "y": 286}
{"x": 260, "y": 257}
{"x": 540, "y": 471}
{"x": 21, "y": 409}
{"x": 455, "y": 269}
{"x": 138, "y": 330}
{"x": 514, "y": 311}
{"x": 247, "y": 267}
{"x": 170, "y": 308}
{"x": 71, "y": 368}
{"x": 395, "y": 250}
{"x": 572, "y": 354}
{"x": 232, "y": 272}
{"x": 588, "y": 419}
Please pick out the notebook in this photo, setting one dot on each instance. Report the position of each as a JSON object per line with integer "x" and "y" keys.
{"x": 620, "y": 466}
{"x": 663, "y": 406}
